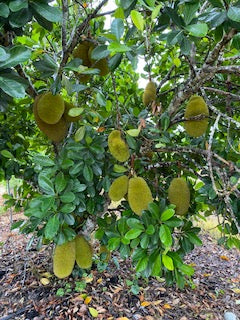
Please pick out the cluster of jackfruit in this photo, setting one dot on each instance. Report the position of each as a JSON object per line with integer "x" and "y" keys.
{"x": 84, "y": 51}
{"x": 65, "y": 255}
{"x": 150, "y": 93}
{"x": 179, "y": 195}
{"x": 117, "y": 146}
{"x": 51, "y": 115}
{"x": 196, "y": 107}
{"x": 135, "y": 190}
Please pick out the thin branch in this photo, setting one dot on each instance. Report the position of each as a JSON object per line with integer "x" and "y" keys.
{"x": 64, "y": 25}
{"x": 235, "y": 69}
{"x": 30, "y": 90}
{"x": 224, "y": 93}
{"x": 165, "y": 79}
{"x": 104, "y": 13}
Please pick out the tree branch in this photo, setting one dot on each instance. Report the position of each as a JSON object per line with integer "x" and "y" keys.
{"x": 64, "y": 25}
{"x": 224, "y": 93}
{"x": 30, "y": 90}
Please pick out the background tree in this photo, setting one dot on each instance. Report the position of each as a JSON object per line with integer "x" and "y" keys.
{"x": 189, "y": 48}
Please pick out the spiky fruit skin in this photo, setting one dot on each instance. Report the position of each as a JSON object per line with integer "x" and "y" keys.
{"x": 69, "y": 106}
{"x": 118, "y": 188}
{"x": 50, "y": 108}
{"x": 150, "y": 93}
{"x": 64, "y": 259}
{"x": 55, "y": 132}
{"x": 139, "y": 195}
{"x": 195, "y": 107}
{"x": 179, "y": 194}
{"x": 81, "y": 52}
{"x": 83, "y": 252}
{"x": 117, "y": 146}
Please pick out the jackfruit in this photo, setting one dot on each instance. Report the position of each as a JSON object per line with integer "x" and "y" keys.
{"x": 101, "y": 64}
{"x": 64, "y": 259}
{"x": 195, "y": 107}
{"x": 118, "y": 188}
{"x": 103, "y": 249}
{"x": 66, "y": 116}
{"x": 83, "y": 252}
{"x": 55, "y": 132}
{"x": 50, "y": 108}
{"x": 179, "y": 194}
{"x": 81, "y": 52}
{"x": 117, "y": 146}
{"x": 139, "y": 195}
{"x": 150, "y": 93}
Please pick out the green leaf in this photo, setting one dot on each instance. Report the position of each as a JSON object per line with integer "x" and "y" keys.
{"x": 198, "y": 29}
{"x": 167, "y": 262}
{"x": 142, "y": 264}
{"x": 69, "y": 219}
{"x": 144, "y": 241}
{"x": 68, "y": 208}
{"x": 117, "y": 28}
{"x": 18, "y": 54}
{"x": 4, "y": 10}
{"x": 138, "y": 20}
{"x": 234, "y": 14}
{"x": 133, "y": 132}
{"x": 46, "y": 184}
{"x": 100, "y": 52}
{"x": 134, "y": 224}
{"x": 46, "y": 66}
{"x": 113, "y": 243}
{"x": 3, "y": 55}
{"x": 43, "y": 161}
{"x": 189, "y": 11}
{"x": 17, "y": 5}
{"x": 7, "y": 154}
{"x": 116, "y": 47}
{"x": 11, "y": 86}
{"x": 93, "y": 312}
{"x": 67, "y": 197}
{"x": 133, "y": 233}
{"x": 186, "y": 269}
{"x": 154, "y": 209}
{"x": 157, "y": 266}
{"x": 88, "y": 173}
{"x": 150, "y": 229}
{"x": 49, "y": 13}
{"x": 80, "y": 133}
{"x": 119, "y": 169}
{"x": 156, "y": 11}
{"x": 75, "y": 112}
{"x": 60, "y": 182}
{"x": 165, "y": 235}
{"x": 167, "y": 214}
{"x": 52, "y": 227}
{"x": 174, "y": 222}
{"x": 101, "y": 99}
{"x": 194, "y": 238}
{"x": 119, "y": 13}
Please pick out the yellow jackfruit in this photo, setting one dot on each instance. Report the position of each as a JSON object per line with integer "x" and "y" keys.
{"x": 55, "y": 132}
{"x": 81, "y": 52}
{"x": 64, "y": 259}
{"x": 117, "y": 146}
{"x": 66, "y": 116}
{"x": 83, "y": 252}
{"x": 139, "y": 195}
{"x": 195, "y": 107}
{"x": 150, "y": 93}
{"x": 118, "y": 188}
{"x": 179, "y": 194}
{"x": 50, "y": 108}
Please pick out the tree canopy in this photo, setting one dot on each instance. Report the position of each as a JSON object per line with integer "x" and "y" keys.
{"x": 185, "y": 124}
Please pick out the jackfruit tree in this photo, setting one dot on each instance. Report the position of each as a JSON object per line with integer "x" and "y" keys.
{"x": 122, "y": 121}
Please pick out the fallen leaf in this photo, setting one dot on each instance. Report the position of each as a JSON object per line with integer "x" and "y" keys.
{"x": 167, "y": 306}
{"x": 46, "y": 275}
{"x": 122, "y": 318}
{"x": 99, "y": 280}
{"x": 44, "y": 281}
{"x": 88, "y": 300}
{"x": 224, "y": 258}
{"x": 93, "y": 312}
{"x": 207, "y": 275}
{"x": 145, "y": 303}
{"x": 157, "y": 302}
{"x": 236, "y": 290}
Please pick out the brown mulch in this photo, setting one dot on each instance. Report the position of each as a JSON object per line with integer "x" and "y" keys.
{"x": 214, "y": 289}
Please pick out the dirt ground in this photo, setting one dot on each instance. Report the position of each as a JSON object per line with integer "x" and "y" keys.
{"x": 24, "y": 294}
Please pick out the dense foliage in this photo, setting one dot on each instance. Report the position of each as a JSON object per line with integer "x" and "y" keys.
{"x": 188, "y": 47}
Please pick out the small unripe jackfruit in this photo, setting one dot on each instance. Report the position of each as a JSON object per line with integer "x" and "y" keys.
{"x": 196, "y": 107}
{"x": 118, "y": 188}
{"x": 55, "y": 132}
{"x": 69, "y": 106}
{"x": 150, "y": 93}
{"x": 81, "y": 52}
{"x": 117, "y": 146}
{"x": 64, "y": 259}
{"x": 83, "y": 252}
{"x": 179, "y": 194}
{"x": 139, "y": 195}
{"x": 50, "y": 108}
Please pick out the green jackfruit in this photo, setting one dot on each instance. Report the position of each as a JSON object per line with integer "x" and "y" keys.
{"x": 179, "y": 194}
{"x": 139, "y": 195}
{"x": 101, "y": 64}
{"x": 150, "y": 93}
{"x": 55, "y": 132}
{"x": 103, "y": 249}
{"x": 118, "y": 188}
{"x": 50, "y": 108}
{"x": 83, "y": 252}
{"x": 64, "y": 259}
{"x": 117, "y": 146}
{"x": 66, "y": 116}
{"x": 81, "y": 52}
{"x": 195, "y": 107}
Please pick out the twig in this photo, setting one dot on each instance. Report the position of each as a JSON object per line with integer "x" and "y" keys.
{"x": 64, "y": 25}
{"x": 30, "y": 90}
{"x": 165, "y": 79}
{"x": 224, "y": 93}
{"x": 118, "y": 113}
